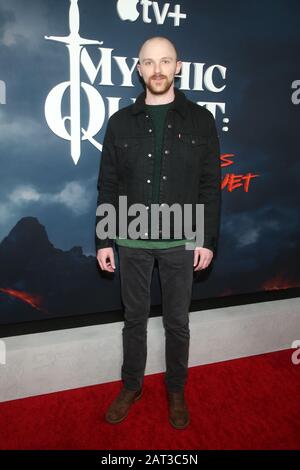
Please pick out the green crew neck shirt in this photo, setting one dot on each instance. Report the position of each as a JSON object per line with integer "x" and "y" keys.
{"x": 158, "y": 114}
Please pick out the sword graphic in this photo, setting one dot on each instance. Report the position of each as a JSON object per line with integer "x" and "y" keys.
{"x": 74, "y": 44}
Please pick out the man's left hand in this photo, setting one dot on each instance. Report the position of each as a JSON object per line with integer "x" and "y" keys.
{"x": 202, "y": 258}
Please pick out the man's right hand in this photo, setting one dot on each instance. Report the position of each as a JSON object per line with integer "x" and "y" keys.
{"x": 106, "y": 259}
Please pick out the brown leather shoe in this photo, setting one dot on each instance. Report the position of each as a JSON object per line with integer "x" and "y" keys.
{"x": 178, "y": 410}
{"x": 119, "y": 408}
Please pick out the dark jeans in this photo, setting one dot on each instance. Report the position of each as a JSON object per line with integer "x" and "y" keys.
{"x": 176, "y": 276}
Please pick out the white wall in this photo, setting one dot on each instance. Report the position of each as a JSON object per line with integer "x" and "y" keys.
{"x": 60, "y": 360}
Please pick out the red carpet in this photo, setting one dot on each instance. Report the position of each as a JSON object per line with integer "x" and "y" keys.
{"x": 250, "y": 403}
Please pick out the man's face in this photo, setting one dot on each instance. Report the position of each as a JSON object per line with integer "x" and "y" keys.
{"x": 158, "y": 66}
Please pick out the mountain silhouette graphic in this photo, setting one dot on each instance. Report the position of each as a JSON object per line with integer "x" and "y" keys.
{"x": 66, "y": 282}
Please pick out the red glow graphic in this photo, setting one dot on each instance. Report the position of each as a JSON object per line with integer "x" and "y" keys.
{"x": 33, "y": 300}
{"x": 279, "y": 282}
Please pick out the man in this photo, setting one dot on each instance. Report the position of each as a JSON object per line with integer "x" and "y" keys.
{"x": 162, "y": 150}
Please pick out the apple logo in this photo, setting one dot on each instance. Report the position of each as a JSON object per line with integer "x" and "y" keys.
{"x": 127, "y": 9}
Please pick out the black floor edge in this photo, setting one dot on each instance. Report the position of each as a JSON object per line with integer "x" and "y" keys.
{"x": 77, "y": 321}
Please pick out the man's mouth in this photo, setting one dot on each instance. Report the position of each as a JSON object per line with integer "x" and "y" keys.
{"x": 158, "y": 79}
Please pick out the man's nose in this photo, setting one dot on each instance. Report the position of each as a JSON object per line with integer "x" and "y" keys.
{"x": 157, "y": 68}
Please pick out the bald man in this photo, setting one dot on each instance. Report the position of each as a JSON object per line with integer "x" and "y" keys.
{"x": 161, "y": 150}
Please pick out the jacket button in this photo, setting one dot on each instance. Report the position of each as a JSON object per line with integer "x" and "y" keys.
{"x": 164, "y": 177}
{"x": 193, "y": 141}
{"x": 149, "y": 154}
{"x": 150, "y": 130}
{"x": 169, "y": 126}
{"x": 167, "y": 152}
{"x": 147, "y": 207}
{"x": 148, "y": 181}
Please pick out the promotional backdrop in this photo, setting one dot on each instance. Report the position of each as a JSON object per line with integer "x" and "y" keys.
{"x": 66, "y": 66}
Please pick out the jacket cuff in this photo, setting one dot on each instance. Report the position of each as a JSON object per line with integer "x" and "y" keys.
{"x": 107, "y": 243}
{"x": 210, "y": 244}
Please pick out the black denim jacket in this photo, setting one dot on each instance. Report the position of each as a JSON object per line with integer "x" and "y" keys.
{"x": 190, "y": 166}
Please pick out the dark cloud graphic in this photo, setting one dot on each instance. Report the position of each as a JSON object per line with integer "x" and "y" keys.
{"x": 258, "y": 42}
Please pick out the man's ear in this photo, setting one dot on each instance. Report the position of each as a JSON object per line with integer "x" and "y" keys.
{"x": 178, "y": 66}
{"x": 138, "y": 66}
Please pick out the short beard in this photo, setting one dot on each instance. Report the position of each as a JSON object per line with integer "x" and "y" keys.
{"x": 160, "y": 91}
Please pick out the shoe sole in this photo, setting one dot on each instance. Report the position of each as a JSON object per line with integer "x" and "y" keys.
{"x": 123, "y": 417}
{"x": 179, "y": 427}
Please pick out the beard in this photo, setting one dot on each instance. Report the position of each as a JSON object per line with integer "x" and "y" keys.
{"x": 159, "y": 87}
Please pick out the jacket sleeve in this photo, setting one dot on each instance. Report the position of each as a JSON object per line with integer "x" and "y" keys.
{"x": 210, "y": 188}
{"x": 107, "y": 182}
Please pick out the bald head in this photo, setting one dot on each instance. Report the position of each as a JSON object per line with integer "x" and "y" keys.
{"x": 157, "y": 45}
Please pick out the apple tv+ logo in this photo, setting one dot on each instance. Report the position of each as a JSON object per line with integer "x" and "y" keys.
{"x": 127, "y": 10}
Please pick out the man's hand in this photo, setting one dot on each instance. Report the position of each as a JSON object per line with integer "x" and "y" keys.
{"x": 202, "y": 258}
{"x": 106, "y": 259}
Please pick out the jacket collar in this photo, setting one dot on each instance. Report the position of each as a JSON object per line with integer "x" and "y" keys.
{"x": 179, "y": 104}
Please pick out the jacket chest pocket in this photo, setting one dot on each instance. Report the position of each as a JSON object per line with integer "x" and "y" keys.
{"x": 192, "y": 148}
{"x": 128, "y": 154}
